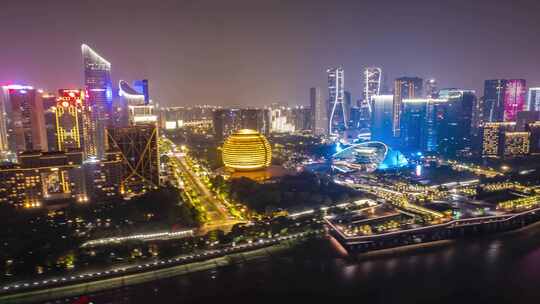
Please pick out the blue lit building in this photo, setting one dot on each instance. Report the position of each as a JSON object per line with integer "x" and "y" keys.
{"x": 441, "y": 125}
{"x": 368, "y": 157}
{"x": 404, "y": 88}
{"x": 98, "y": 85}
{"x": 414, "y": 124}
{"x": 394, "y": 160}
{"x": 423, "y": 124}
{"x": 381, "y": 118}
{"x": 456, "y": 119}
{"x": 142, "y": 87}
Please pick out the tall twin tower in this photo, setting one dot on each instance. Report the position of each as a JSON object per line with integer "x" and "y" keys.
{"x": 339, "y": 102}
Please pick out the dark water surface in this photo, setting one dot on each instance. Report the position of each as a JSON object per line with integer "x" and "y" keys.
{"x": 502, "y": 268}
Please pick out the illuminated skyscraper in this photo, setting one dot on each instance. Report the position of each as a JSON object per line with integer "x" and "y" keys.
{"x": 382, "y": 118}
{"x": 454, "y": 136}
{"x": 71, "y": 121}
{"x": 533, "y": 99}
{"x": 424, "y": 123}
{"x": 404, "y": 88}
{"x": 336, "y": 98}
{"x": 493, "y": 102}
{"x": 514, "y": 98}
{"x": 97, "y": 79}
{"x": 372, "y": 85}
{"x": 319, "y": 112}
{"x": 24, "y": 120}
{"x": 413, "y": 124}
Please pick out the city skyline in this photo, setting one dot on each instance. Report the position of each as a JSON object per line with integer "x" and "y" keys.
{"x": 194, "y": 68}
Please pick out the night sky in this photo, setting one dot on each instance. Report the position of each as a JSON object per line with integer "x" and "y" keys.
{"x": 255, "y": 52}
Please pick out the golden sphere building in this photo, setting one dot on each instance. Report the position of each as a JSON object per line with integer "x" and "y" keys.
{"x": 247, "y": 150}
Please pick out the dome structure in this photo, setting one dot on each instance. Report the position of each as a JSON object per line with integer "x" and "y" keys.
{"x": 368, "y": 156}
{"x": 246, "y": 150}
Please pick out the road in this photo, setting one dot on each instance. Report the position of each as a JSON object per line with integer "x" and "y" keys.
{"x": 218, "y": 216}
{"x": 88, "y": 283}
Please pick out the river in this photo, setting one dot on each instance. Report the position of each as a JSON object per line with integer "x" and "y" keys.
{"x": 503, "y": 268}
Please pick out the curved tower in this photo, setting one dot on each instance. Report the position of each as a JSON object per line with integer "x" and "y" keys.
{"x": 336, "y": 95}
{"x": 372, "y": 85}
{"x": 133, "y": 107}
{"x": 98, "y": 85}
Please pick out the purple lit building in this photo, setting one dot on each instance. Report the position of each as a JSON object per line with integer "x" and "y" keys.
{"x": 514, "y": 98}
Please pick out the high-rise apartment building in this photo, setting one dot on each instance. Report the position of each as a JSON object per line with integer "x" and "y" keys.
{"x": 454, "y": 137}
{"x": 23, "y": 120}
{"x": 177, "y": 117}
{"x": 533, "y": 99}
{"x": 226, "y": 121}
{"x": 319, "y": 111}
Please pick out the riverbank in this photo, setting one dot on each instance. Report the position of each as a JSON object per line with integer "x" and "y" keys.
{"x": 140, "y": 275}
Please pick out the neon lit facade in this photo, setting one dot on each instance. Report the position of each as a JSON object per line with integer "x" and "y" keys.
{"x": 42, "y": 177}
{"x": 336, "y": 93}
{"x": 97, "y": 79}
{"x": 514, "y": 98}
{"x": 71, "y": 118}
{"x": 493, "y": 137}
{"x": 247, "y": 150}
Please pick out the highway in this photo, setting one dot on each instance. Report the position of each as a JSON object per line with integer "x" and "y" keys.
{"x": 218, "y": 216}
